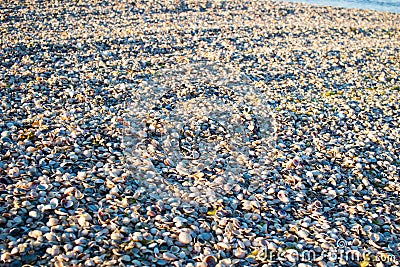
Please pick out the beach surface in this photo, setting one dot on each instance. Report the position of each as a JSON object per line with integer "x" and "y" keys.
{"x": 198, "y": 133}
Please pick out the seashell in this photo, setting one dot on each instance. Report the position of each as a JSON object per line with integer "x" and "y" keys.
{"x": 147, "y": 237}
{"x": 103, "y": 217}
{"x": 54, "y": 203}
{"x": 14, "y": 172}
{"x": 317, "y": 204}
{"x": 137, "y": 237}
{"x": 223, "y": 245}
{"x": 226, "y": 262}
{"x": 270, "y": 191}
{"x": 239, "y": 253}
{"x": 169, "y": 256}
{"x": 109, "y": 184}
{"x": 69, "y": 191}
{"x": 174, "y": 249}
{"x": 151, "y": 213}
{"x": 185, "y": 237}
{"x": 179, "y": 221}
{"x": 15, "y": 232}
{"x": 84, "y": 219}
{"x": 283, "y": 196}
{"x": 50, "y": 237}
{"x": 247, "y": 205}
{"x": 282, "y": 214}
{"x": 188, "y": 210}
{"x": 303, "y": 233}
{"x": 114, "y": 191}
{"x": 35, "y": 214}
{"x": 210, "y": 260}
{"x": 5, "y": 256}
{"x": 116, "y": 235}
{"x": 181, "y": 169}
{"x": 255, "y": 204}
{"x": 35, "y": 233}
{"x": 374, "y": 237}
{"x": 198, "y": 175}
{"x": 61, "y": 211}
{"x": 169, "y": 162}
{"x": 52, "y": 222}
{"x": 19, "y": 192}
{"x": 42, "y": 187}
{"x": 67, "y": 203}
{"x": 78, "y": 194}
{"x": 125, "y": 258}
{"x": 54, "y": 250}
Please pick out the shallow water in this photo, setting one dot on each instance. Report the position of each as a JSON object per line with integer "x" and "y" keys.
{"x": 380, "y": 5}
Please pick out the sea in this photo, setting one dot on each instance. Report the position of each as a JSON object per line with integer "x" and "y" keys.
{"x": 380, "y": 5}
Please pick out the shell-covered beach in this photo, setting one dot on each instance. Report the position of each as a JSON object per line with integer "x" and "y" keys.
{"x": 198, "y": 133}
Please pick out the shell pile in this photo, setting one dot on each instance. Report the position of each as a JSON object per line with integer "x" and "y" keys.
{"x": 201, "y": 132}
{"x": 198, "y": 133}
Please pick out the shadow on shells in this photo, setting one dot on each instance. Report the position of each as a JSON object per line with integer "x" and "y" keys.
{"x": 200, "y": 124}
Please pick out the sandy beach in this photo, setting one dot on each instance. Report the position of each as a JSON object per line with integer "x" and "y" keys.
{"x": 198, "y": 133}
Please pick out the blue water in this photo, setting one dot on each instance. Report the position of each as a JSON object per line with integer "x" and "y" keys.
{"x": 380, "y": 5}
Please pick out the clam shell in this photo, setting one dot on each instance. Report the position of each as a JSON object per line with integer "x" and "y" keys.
{"x": 210, "y": 260}
{"x": 283, "y": 196}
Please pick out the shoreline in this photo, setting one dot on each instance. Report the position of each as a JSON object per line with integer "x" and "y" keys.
{"x": 348, "y": 4}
